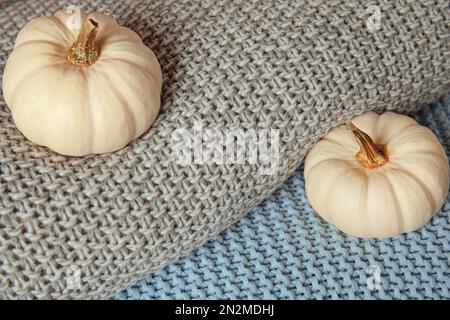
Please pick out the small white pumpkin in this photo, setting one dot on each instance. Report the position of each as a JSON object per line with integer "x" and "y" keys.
{"x": 389, "y": 185}
{"x": 80, "y": 83}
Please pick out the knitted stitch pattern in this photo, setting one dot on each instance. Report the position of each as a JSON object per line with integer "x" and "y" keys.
{"x": 283, "y": 250}
{"x": 294, "y": 66}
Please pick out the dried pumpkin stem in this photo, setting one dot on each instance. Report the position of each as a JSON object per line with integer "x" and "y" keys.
{"x": 83, "y": 51}
{"x": 370, "y": 155}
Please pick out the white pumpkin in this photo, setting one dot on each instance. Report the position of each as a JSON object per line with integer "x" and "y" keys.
{"x": 391, "y": 179}
{"x": 80, "y": 83}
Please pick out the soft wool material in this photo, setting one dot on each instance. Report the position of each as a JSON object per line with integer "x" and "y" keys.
{"x": 301, "y": 68}
{"x": 283, "y": 250}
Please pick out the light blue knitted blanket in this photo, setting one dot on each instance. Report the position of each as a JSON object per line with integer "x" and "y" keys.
{"x": 283, "y": 250}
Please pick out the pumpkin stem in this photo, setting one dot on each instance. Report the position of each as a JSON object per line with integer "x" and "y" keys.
{"x": 83, "y": 51}
{"x": 370, "y": 155}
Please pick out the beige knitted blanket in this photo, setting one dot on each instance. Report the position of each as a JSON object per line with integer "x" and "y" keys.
{"x": 88, "y": 227}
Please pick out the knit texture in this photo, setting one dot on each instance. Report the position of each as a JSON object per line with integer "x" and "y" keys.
{"x": 293, "y": 66}
{"x": 283, "y": 250}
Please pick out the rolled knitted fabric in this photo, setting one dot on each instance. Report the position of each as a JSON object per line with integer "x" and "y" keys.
{"x": 290, "y": 67}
